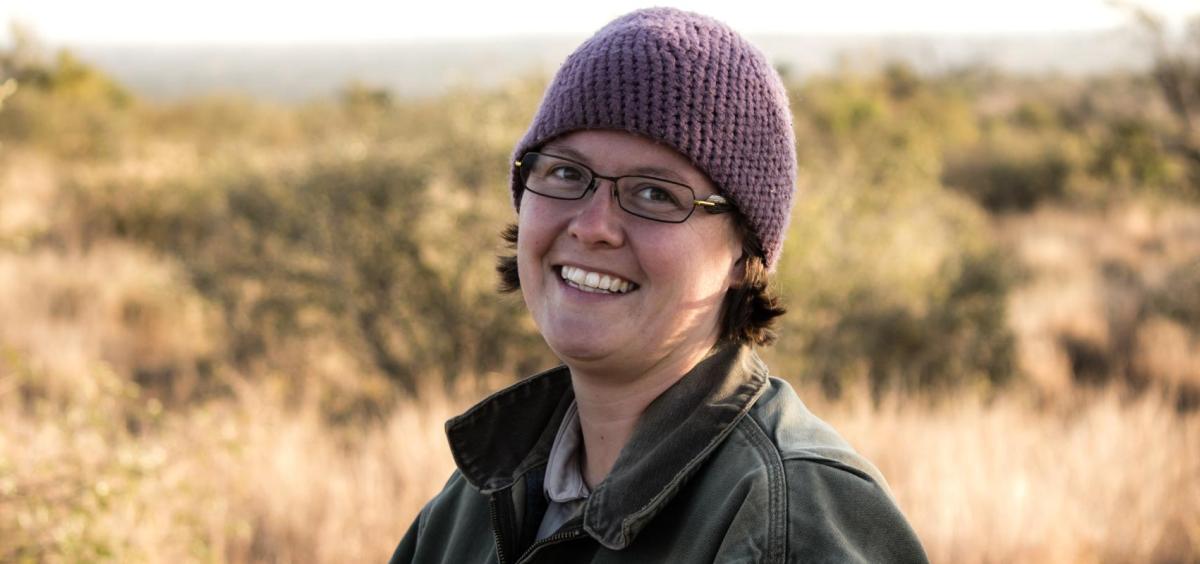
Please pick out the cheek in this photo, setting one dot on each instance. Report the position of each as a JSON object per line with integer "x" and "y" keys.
{"x": 689, "y": 280}
{"x": 535, "y": 220}
{"x": 697, "y": 263}
{"x": 526, "y": 258}
{"x": 534, "y": 241}
{"x": 711, "y": 278}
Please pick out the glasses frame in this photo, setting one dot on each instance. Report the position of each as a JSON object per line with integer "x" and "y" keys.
{"x": 714, "y": 204}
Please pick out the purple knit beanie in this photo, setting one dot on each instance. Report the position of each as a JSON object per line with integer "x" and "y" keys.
{"x": 690, "y": 82}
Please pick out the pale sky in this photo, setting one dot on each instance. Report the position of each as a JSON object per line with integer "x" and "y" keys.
{"x": 276, "y": 21}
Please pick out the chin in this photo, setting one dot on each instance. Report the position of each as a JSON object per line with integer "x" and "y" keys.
{"x": 576, "y": 351}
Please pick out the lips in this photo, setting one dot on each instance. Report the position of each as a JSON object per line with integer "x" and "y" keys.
{"x": 595, "y": 282}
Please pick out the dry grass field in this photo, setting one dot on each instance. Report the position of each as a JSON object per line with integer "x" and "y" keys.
{"x": 1100, "y": 478}
{"x": 92, "y": 468}
{"x": 232, "y": 331}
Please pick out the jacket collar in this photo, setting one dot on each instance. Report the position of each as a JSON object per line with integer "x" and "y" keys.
{"x": 501, "y": 438}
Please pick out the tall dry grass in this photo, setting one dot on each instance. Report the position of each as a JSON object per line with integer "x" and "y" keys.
{"x": 1107, "y": 295}
{"x": 1103, "y": 478}
{"x": 253, "y": 478}
{"x": 248, "y": 479}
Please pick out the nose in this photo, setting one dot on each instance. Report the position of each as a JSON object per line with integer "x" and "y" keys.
{"x": 598, "y": 221}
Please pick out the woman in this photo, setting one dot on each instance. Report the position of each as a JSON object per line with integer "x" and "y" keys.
{"x": 653, "y": 190}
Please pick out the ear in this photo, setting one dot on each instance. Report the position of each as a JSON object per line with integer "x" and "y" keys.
{"x": 737, "y": 271}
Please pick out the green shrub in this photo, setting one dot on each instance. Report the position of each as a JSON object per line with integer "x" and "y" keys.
{"x": 1003, "y": 182}
{"x": 1129, "y": 153}
{"x": 896, "y": 284}
{"x": 65, "y": 107}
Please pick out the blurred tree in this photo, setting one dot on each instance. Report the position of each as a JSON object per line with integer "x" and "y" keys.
{"x": 63, "y": 104}
{"x": 8, "y": 87}
{"x": 360, "y": 97}
{"x": 1129, "y": 152}
{"x": 362, "y": 225}
{"x": 891, "y": 280}
{"x": 25, "y": 55}
{"x": 358, "y": 243}
{"x": 1177, "y": 73}
{"x": 1005, "y": 180}
{"x": 901, "y": 80}
{"x": 896, "y": 285}
{"x": 25, "y": 61}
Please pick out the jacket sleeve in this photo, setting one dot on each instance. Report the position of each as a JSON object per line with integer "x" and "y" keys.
{"x": 407, "y": 549}
{"x": 838, "y": 514}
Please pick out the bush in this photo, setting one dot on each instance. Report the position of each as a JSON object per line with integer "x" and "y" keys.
{"x": 65, "y": 107}
{"x": 1129, "y": 153}
{"x": 373, "y": 251}
{"x": 896, "y": 285}
{"x": 1003, "y": 182}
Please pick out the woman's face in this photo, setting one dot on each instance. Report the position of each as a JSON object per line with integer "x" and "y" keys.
{"x": 676, "y": 274}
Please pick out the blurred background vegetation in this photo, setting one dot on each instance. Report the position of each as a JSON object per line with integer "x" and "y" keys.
{"x": 223, "y": 286}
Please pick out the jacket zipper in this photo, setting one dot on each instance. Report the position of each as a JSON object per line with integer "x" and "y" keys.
{"x": 502, "y": 518}
{"x": 494, "y": 505}
{"x": 568, "y": 534}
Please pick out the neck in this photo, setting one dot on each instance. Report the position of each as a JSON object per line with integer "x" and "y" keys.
{"x": 610, "y": 407}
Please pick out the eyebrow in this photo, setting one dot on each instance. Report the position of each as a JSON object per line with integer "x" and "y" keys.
{"x": 663, "y": 173}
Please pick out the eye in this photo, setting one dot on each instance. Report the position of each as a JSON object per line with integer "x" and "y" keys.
{"x": 657, "y": 194}
{"x": 567, "y": 172}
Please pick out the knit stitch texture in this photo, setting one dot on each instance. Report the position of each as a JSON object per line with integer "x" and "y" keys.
{"x": 690, "y": 82}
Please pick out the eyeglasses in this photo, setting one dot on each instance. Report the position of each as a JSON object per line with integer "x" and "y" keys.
{"x": 644, "y": 196}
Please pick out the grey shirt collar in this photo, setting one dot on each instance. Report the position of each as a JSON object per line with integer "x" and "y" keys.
{"x": 564, "y": 481}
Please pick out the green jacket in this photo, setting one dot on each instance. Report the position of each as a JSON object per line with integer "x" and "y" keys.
{"x": 727, "y": 465}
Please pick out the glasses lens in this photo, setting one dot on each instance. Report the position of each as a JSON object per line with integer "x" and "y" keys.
{"x": 554, "y": 177}
{"x": 655, "y": 199}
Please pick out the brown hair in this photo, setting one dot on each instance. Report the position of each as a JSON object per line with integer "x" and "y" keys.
{"x": 748, "y": 312}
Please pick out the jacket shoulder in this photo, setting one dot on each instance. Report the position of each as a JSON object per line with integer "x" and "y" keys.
{"x": 838, "y": 507}
{"x": 797, "y": 434}
{"x": 837, "y": 514}
{"x": 457, "y": 516}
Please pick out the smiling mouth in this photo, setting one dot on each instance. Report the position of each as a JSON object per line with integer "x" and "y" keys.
{"x": 595, "y": 282}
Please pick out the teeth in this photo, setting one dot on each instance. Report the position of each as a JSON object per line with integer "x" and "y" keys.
{"x": 594, "y": 281}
